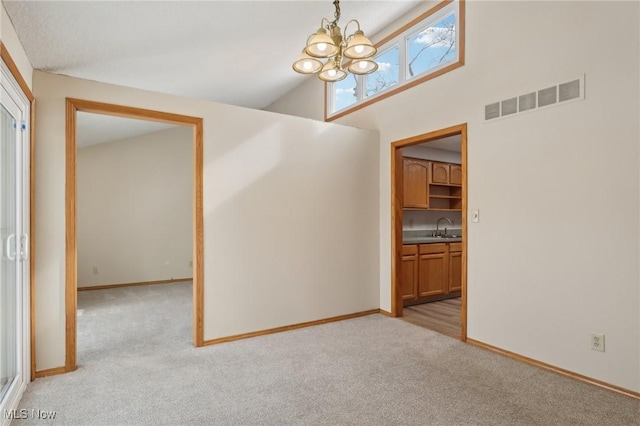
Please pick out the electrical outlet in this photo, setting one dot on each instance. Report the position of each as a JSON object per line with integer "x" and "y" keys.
{"x": 597, "y": 342}
{"x": 191, "y": 264}
{"x": 95, "y": 270}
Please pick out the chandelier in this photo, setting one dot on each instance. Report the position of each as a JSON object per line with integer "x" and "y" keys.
{"x": 330, "y": 44}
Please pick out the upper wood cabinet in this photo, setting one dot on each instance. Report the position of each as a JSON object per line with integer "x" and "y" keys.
{"x": 439, "y": 173}
{"x": 446, "y": 174}
{"x": 455, "y": 174}
{"x": 415, "y": 188}
{"x": 431, "y": 185}
{"x": 445, "y": 190}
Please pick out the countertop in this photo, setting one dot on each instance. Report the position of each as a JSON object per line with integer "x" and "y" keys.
{"x": 429, "y": 240}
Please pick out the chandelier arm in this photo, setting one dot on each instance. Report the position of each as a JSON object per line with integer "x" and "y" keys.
{"x": 325, "y": 20}
{"x": 347, "y": 38}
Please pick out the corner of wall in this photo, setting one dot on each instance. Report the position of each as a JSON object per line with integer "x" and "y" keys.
{"x": 13, "y": 45}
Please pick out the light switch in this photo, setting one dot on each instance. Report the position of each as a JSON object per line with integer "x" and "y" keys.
{"x": 475, "y": 216}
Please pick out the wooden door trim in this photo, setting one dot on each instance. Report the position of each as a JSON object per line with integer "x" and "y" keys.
{"x": 73, "y": 106}
{"x": 396, "y": 215}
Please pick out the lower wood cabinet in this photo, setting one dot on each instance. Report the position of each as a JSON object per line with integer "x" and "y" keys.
{"x": 455, "y": 267}
{"x": 431, "y": 272}
{"x": 409, "y": 272}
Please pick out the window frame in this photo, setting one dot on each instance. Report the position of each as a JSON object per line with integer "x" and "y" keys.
{"x": 400, "y": 37}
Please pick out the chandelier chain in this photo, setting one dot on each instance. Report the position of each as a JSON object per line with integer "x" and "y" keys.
{"x": 336, "y": 15}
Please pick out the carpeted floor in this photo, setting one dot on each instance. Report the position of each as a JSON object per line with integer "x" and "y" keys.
{"x": 138, "y": 366}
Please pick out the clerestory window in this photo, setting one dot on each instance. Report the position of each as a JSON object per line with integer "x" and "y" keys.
{"x": 427, "y": 47}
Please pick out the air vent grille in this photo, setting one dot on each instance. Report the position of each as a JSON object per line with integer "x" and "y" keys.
{"x": 492, "y": 111}
{"x": 510, "y": 106}
{"x": 547, "y": 96}
{"x": 555, "y": 95}
{"x": 527, "y": 101}
{"x": 568, "y": 91}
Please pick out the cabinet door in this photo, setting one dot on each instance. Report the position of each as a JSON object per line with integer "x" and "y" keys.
{"x": 415, "y": 176}
{"x": 409, "y": 272}
{"x": 432, "y": 270}
{"x": 439, "y": 173}
{"x": 455, "y": 174}
{"x": 455, "y": 271}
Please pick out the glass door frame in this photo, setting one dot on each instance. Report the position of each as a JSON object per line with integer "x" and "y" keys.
{"x": 13, "y": 93}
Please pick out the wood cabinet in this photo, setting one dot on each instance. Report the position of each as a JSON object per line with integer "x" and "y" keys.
{"x": 431, "y": 185}
{"x": 409, "y": 271}
{"x": 431, "y": 272}
{"x": 446, "y": 173}
{"x": 415, "y": 177}
{"x": 439, "y": 173}
{"x": 455, "y": 174}
{"x": 455, "y": 267}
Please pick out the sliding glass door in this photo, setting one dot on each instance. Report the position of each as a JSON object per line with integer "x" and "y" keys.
{"x": 14, "y": 224}
{"x": 8, "y": 267}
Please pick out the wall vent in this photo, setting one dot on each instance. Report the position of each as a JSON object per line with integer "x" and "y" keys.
{"x": 547, "y": 96}
{"x": 571, "y": 90}
{"x": 510, "y": 106}
{"x": 492, "y": 111}
{"x": 527, "y": 102}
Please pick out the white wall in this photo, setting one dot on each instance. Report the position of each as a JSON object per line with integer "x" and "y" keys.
{"x": 134, "y": 208}
{"x": 549, "y": 262}
{"x": 12, "y": 43}
{"x": 290, "y": 213}
{"x": 290, "y": 103}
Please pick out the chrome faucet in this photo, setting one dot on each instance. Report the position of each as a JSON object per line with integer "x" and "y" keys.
{"x": 445, "y": 229}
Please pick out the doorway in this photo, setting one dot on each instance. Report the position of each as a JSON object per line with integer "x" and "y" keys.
{"x": 73, "y": 107}
{"x": 134, "y": 220}
{"x": 442, "y": 195}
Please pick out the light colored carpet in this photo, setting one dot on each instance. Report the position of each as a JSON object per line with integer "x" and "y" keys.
{"x": 138, "y": 367}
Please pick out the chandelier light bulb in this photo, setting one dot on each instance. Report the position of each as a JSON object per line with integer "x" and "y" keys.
{"x": 332, "y": 72}
{"x": 321, "y": 45}
{"x": 363, "y": 66}
{"x": 305, "y": 64}
{"x": 359, "y": 47}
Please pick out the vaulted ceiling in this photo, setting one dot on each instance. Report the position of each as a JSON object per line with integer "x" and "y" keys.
{"x": 235, "y": 52}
